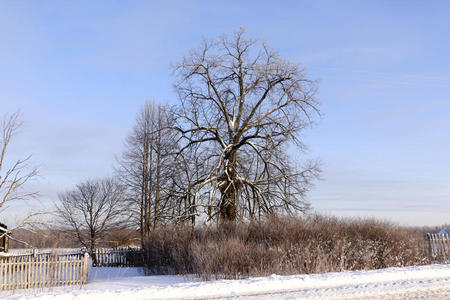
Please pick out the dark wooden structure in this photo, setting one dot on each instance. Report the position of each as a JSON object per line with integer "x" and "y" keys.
{"x": 3, "y": 238}
{"x": 438, "y": 247}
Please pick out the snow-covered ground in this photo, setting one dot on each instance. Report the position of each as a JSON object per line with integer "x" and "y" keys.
{"x": 425, "y": 282}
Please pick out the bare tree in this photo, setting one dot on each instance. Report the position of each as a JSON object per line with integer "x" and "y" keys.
{"x": 146, "y": 167}
{"x": 241, "y": 107}
{"x": 14, "y": 175}
{"x": 91, "y": 209}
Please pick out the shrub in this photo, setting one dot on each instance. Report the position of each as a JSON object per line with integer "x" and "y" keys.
{"x": 284, "y": 245}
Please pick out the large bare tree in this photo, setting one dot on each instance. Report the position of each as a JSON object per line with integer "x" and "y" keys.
{"x": 92, "y": 209}
{"x": 242, "y": 107}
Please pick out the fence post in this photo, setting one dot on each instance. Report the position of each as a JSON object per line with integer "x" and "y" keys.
{"x": 444, "y": 247}
{"x": 430, "y": 250}
{"x": 85, "y": 272}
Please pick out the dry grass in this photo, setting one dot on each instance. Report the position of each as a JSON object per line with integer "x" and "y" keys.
{"x": 282, "y": 246}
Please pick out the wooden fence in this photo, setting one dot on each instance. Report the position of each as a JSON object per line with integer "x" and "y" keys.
{"x": 38, "y": 271}
{"x": 438, "y": 247}
{"x": 118, "y": 257}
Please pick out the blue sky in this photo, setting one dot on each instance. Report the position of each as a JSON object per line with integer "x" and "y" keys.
{"x": 80, "y": 70}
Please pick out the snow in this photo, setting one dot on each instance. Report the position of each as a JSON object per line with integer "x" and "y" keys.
{"x": 129, "y": 283}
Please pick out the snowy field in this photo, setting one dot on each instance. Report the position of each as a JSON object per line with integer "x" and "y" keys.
{"x": 425, "y": 282}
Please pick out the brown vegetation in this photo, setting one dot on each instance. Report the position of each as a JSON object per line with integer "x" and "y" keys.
{"x": 68, "y": 239}
{"x": 283, "y": 246}
{"x": 43, "y": 239}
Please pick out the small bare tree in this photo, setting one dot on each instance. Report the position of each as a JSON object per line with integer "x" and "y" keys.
{"x": 91, "y": 209}
{"x": 14, "y": 175}
{"x": 241, "y": 107}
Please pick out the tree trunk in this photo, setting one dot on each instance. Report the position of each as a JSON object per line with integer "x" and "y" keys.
{"x": 229, "y": 189}
{"x": 158, "y": 170}
{"x": 92, "y": 253}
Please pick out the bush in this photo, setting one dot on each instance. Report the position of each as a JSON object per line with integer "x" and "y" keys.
{"x": 283, "y": 246}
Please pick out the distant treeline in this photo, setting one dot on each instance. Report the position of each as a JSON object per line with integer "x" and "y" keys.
{"x": 47, "y": 238}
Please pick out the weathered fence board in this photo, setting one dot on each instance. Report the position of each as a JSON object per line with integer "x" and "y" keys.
{"x": 119, "y": 257}
{"x": 38, "y": 271}
{"x": 438, "y": 247}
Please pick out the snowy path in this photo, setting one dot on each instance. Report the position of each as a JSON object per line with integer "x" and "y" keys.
{"x": 415, "y": 289}
{"x": 426, "y": 282}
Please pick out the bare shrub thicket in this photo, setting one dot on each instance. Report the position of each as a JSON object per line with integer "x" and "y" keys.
{"x": 282, "y": 246}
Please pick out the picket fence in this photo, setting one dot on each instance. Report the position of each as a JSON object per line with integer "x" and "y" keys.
{"x": 119, "y": 257}
{"x": 438, "y": 247}
{"x": 42, "y": 270}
